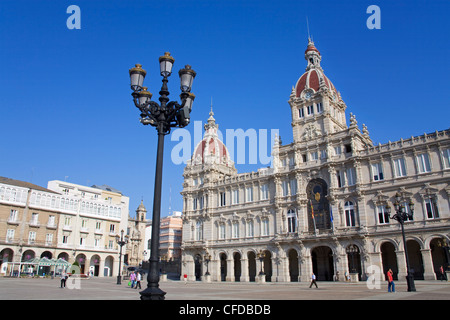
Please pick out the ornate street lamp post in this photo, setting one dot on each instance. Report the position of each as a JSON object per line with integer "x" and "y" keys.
{"x": 121, "y": 242}
{"x": 401, "y": 215}
{"x": 207, "y": 260}
{"x": 261, "y": 256}
{"x": 163, "y": 116}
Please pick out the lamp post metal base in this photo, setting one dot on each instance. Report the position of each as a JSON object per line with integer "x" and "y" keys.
{"x": 152, "y": 293}
{"x": 410, "y": 283}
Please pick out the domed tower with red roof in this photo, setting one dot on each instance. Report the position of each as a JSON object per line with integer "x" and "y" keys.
{"x": 210, "y": 162}
{"x": 317, "y": 107}
{"x": 211, "y": 153}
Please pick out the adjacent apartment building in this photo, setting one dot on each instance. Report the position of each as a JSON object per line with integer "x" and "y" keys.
{"x": 63, "y": 221}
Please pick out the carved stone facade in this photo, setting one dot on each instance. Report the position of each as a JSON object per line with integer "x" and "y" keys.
{"x": 321, "y": 207}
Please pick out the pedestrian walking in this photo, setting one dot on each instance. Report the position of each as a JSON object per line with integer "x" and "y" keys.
{"x": 442, "y": 274}
{"x": 390, "y": 278}
{"x": 132, "y": 279}
{"x": 138, "y": 280}
{"x": 63, "y": 279}
{"x": 185, "y": 278}
{"x": 313, "y": 280}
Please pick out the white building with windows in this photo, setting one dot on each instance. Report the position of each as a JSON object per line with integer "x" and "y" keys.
{"x": 321, "y": 207}
{"x": 90, "y": 220}
{"x": 63, "y": 221}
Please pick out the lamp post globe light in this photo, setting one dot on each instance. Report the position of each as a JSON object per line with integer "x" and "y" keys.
{"x": 121, "y": 242}
{"x": 163, "y": 116}
{"x": 402, "y": 215}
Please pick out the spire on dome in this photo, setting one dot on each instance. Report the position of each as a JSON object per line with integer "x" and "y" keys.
{"x": 312, "y": 55}
{"x": 211, "y": 150}
{"x": 211, "y": 125}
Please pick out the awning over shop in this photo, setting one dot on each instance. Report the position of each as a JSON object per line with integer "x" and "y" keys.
{"x": 46, "y": 262}
{"x": 62, "y": 262}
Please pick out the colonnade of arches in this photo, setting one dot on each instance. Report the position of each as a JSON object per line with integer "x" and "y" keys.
{"x": 93, "y": 265}
{"x": 328, "y": 261}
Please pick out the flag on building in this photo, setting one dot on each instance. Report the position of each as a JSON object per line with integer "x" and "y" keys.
{"x": 312, "y": 215}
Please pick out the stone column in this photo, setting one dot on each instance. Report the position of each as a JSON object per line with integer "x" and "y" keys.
{"x": 401, "y": 262}
{"x": 230, "y": 269}
{"x": 306, "y": 267}
{"x": 101, "y": 270}
{"x": 428, "y": 272}
{"x": 244, "y": 270}
{"x": 282, "y": 269}
{"x": 342, "y": 266}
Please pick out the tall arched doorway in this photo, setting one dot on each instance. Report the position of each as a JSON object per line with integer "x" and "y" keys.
{"x": 318, "y": 206}
{"x": 440, "y": 255}
{"x": 293, "y": 265}
{"x": 44, "y": 269}
{"x": 415, "y": 259}
{"x": 252, "y": 266}
{"x": 81, "y": 261}
{"x": 322, "y": 261}
{"x": 389, "y": 259}
{"x": 223, "y": 267}
{"x": 64, "y": 256}
{"x": 46, "y": 254}
{"x": 354, "y": 259}
{"x": 108, "y": 271}
{"x": 94, "y": 265}
{"x": 268, "y": 265}
{"x": 237, "y": 266}
{"x": 28, "y": 255}
{"x": 6, "y": 255}
{"x": 198, "y": 267}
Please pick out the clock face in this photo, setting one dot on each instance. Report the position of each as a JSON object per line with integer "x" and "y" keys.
{"x": 308, "y": 94}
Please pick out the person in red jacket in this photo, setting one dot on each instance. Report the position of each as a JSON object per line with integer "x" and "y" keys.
{"x": 390, "y": 278}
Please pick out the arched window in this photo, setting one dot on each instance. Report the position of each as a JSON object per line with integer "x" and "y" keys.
{"x": 349, "y": 209}
{"x": 292, "y": 220}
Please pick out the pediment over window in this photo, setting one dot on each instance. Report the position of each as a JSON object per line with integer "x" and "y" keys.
{"x": 428, "y": 192}
{"x": 249, "y": 215}
{"x": 380, "y": 198}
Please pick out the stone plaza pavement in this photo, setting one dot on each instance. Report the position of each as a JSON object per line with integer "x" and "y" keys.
{"x": 107, "y": 289}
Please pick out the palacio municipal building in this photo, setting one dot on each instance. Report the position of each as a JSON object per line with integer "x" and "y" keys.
{"x": 322, "y": 206}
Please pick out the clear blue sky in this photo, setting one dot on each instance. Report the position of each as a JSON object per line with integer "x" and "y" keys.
{"x": 66, "y": 108}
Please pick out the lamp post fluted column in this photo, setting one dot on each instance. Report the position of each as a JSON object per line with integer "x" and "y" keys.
{"x": 163, "y": 116}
